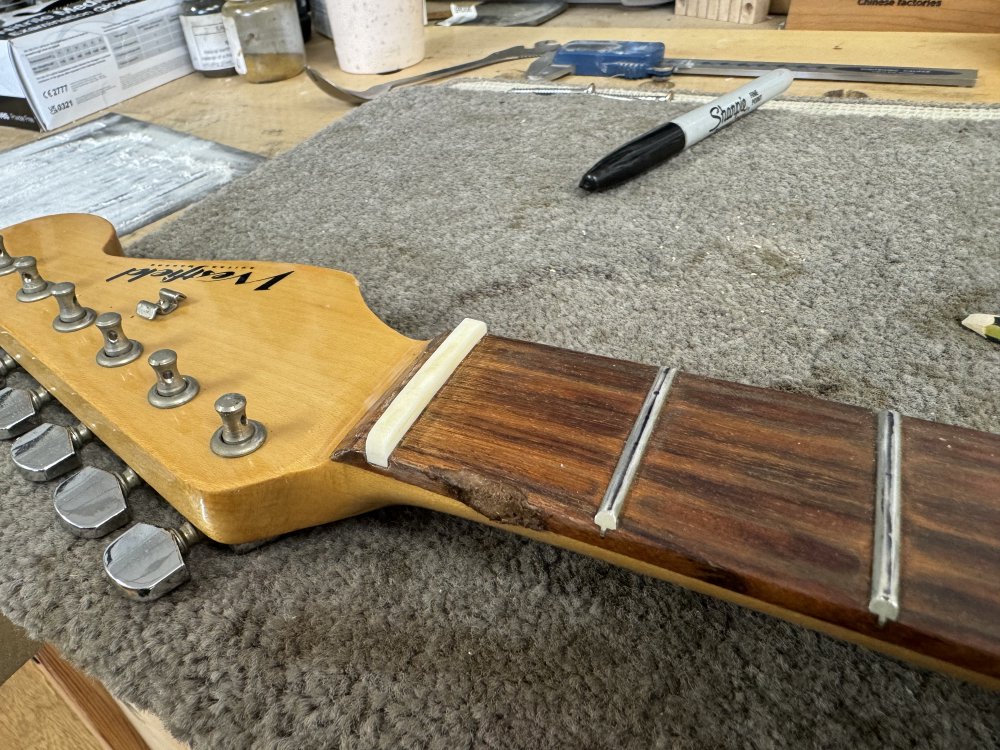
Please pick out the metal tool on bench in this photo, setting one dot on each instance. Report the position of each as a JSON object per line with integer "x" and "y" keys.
{"x": 483, "y": 13}
{"x": 360, "y": 97}
{"x": 646, "y": 60}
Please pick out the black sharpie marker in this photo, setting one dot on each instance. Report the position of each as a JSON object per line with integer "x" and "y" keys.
{"x": 658, "y": 145}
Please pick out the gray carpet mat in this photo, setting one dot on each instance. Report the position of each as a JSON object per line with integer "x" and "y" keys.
{"x": 828, "y": 255}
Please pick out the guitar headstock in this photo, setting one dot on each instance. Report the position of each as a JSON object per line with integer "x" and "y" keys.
{"x": 297, "y": 342}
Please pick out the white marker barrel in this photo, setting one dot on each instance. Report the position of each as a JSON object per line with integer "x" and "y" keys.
{"x": 702, "y": 122}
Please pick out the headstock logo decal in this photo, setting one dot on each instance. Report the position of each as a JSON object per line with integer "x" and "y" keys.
{"x": 237, "y": 275}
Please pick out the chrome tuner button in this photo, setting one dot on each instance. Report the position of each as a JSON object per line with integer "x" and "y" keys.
{"x": 92, "y": 502}
{"x": 18, "y": 409}
{"x": 49, "y": 451}
{"x": 33, "y": 286}
{"x": 147, "y": 561}
{"x": 6, "y": 259}
{"x": 72, "y": 315}
{"x": 238, "y": 435}
{"x": 171, "y": 388}
{"x": 167, "y": 303}
{"x": 118, "y": 348}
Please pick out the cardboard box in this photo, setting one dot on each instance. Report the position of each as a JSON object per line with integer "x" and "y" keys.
{"x": 978, "y": 16}
{"x": 76, "y": 58}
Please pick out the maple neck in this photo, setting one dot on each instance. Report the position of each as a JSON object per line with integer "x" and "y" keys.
{"x": 760, "y": 497}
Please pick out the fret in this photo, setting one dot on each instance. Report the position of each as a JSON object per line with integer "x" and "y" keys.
{"x": 759, "y": 496}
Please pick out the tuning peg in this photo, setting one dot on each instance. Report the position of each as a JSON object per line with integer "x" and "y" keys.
{"x": 6, "y": 259}
{"x": 7, "y": 365}
{"x": 18, "y": 407}
{"x": 118, "y": 348}
{"x": 147, "y": 561}
{"x": 72, "y": 315}
{"x": 33, "y": 286}
{"x": 171, "y": 388}
{"x": 92, "y": 502}
{"x": 238, "y": 435}
{"x": 49, "y": 451}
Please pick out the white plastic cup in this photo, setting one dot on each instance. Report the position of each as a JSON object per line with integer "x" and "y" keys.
{"x": 377, "y": 36}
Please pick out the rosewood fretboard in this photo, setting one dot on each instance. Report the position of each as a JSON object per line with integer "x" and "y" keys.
{"x": 763, "y": 497}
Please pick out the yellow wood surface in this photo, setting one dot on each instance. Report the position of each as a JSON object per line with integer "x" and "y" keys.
{"x": 307, "y": 353}
{"x": 976, "y": 16}
{"x": 33, "y": 716}
{"x": 271, "y": 118}
{"x": 95, "y": 707}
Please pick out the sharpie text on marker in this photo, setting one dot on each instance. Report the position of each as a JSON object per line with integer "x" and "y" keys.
{"x": 659, "y": 144}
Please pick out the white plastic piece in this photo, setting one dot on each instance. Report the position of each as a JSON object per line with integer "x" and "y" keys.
{"x": 399, "y": 416}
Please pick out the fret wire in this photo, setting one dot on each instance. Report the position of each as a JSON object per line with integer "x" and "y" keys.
{"x": 633, "y": 451}
{"x": 884, "y": 600}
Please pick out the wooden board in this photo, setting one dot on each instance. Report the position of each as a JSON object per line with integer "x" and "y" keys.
{"x": 34, "y": 716}
{"x": 973, "y": 16}
{"x": 733, "y": 11}
{"x": 88, "y": 699}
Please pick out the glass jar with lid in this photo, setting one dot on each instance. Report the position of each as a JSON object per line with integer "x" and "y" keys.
{"x": 266, "y": 38}
{"x": 201, "y": 21}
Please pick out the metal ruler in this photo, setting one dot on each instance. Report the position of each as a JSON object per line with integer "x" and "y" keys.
{"x": 828, "y": 72}
{"x": 610, "y": 58}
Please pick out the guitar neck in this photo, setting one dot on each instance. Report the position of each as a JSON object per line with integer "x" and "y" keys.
{"x": 760, "y": 497}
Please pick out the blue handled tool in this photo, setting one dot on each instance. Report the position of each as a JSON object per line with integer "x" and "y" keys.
{"x": 603, "y": 58}
{"x": 607, "y": 58}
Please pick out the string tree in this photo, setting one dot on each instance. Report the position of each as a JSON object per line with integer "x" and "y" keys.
{"x": 168, "y": 301}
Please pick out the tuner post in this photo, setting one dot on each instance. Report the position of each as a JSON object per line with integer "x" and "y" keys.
{"x": 238, "y": 435}
{"x": 6, "y": 259}
{"x": 72, "y": 315}
{"x": 171, "y": 388}
{"x": 118, "y": 348}
{"x": 33, "y": 286}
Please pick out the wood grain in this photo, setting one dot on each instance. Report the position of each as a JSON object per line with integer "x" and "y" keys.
{"x": 33, "y": 716}
{"x": 759, "y": 496}
{"x": 733, "y": 11}
{"x": 90, "y": 701}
